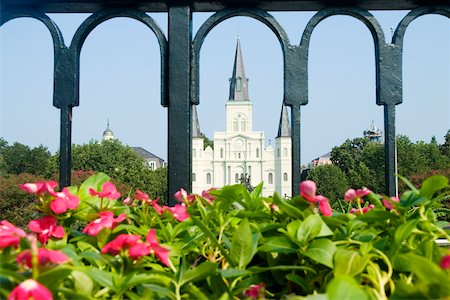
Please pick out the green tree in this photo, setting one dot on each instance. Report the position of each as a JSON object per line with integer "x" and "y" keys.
{"x": 445, "y": 147}
{"x": 207, "y": 142}
{"x": 331, "y": 181}
{"x": 19, "y": 158}
{"x": 121, "y": 163}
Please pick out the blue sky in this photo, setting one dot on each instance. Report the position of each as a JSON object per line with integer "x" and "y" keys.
{"x": 120, "y": 80}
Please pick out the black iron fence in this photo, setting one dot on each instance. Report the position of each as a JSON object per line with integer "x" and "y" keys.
{"x": 180, "y": 52}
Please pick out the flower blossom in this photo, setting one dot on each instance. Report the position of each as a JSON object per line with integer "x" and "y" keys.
{"x": 183, "y": 196}
{"x": 64, "y": 201}
{"x": 445, "y": 262}
{"x": 9, "y": 235}
{"x": 308, "y": 191}
{"x": 30, "y": 289}
{"x": 388, "y": 204}
{"x": 106, "y": 220}
{"x": 139, "y": 195}
{"x": 39, "y": 188}
{"x": 255, "y": 291}
{"x": 121, "y": 243}
{"x": 46, "y": 227}
{"x": 108, "y": 191}
{"x": 363, "y": 210}
{"x": 210, "y": 198}
{"x": 45, "y": 257}
{"x": 157, "y": 207}
{"x": 352, "y": 194}
{"x": 151, "y": 246}
{"x": 178, "y": 211}
{"x": 144, "y": 197}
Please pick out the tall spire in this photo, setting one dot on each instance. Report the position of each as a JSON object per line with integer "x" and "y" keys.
{"x": 284, "y": 128}
{"x": 195, "y": 124}
{"x": 238, "y": 81}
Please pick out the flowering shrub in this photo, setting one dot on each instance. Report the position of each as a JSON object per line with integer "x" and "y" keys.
{"x": 227, "y": 244}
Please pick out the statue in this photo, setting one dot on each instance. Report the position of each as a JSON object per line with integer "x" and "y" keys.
{"x": 245, "y": 180}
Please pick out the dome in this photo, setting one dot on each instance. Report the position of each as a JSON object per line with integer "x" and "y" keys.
{"x": 108, "y": 134}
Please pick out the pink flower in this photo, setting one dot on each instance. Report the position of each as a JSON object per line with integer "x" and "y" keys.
{"x": 445, "y": 262}
{"x": 178, "y": 211}
{"x": 363, "y": 210}
{"x": 255, "y": 291}
{"x": 121, "y": 243}
{"x": 151, "y": 246}
{"x": 39, "y": 188}
{"x": 30, "y": 289}
{"x": 324, "y": 206}
{"x": 64, "y": 201}
{"x": 388, "y": 204}
{"x": 208, "y": 196}
{"x": 108, "y": 191}
{"x": 156, "y": 206}
{"x": 139, "y": 195}
{"x": 45, "y": 257}
{"x": 9, "y": 235}
{"x": 182, "y": 196}
{"x": 308, "y": 190}
{"x": 106, "y": 220}
{"x": 127, "y": 201}
{"x": 46, "y": 227}
{"x": 351, "y": 194}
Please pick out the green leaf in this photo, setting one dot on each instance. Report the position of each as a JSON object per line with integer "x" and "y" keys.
{"x": 279, "y": 244}
{"x": 83, "y": 283}
{"x": 433, "y": 184}
{"x": 348, "y": 262}
{"x": 71, "y": 294}
{"x": 287, "y": 208}
{"x": 105, "y": 279}
{"x": 160, "y": 290}
{"x": 53, "y": 277}
{"x": 426, "y": 270}
{"x": 242, "y": 245}
{"x": 345, "y": 288}
{"x": 196, "y": 293}
{"x": 402, "y": 233}
{"x": 198, "y": 273}
{"x": 231, "y": 273}
{"x": 322, "y": 251}
{"x": 310, "y": 228}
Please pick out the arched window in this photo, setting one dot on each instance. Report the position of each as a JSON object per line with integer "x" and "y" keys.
{"x": 235, "y": 125}
{"x": 249, "y": 171}
{"x": 278, "y": 152}
{"x": 257, "y": 152}
{"x": 270, "y": 178}
{"x": 229, "y": 175}
{"x": 221, "y": 152}
{"x": 285, "y": 177}
{"x": 243, "y": 125}
{"x": 239, "y": 155}
{"x": 285, "y": 152}
{"x": 208, "y": 178}
{"x": 193, "y": 177}
{"x": 236, "y": 177}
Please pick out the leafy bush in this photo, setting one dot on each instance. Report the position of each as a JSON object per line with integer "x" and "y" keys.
{"x": 227, "y": 244}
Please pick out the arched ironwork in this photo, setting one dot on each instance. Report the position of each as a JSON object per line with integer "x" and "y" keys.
{"x": 180, "y": 64}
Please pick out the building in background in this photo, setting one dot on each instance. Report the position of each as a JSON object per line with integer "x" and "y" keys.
{"x": 373, "y": 133}
{"x": 239, "y": 153}
{"x": 152, "y": 161}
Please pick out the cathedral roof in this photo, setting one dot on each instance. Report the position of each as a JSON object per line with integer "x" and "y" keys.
{"x": 195, "y": 124}
{"x": 284, "y": 128}
{"x": 238, "y": 81}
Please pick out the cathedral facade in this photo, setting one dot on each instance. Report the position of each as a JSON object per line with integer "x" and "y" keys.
{"x": 240, "y": 154}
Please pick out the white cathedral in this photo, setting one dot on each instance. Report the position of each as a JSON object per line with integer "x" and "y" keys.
{"x": 239, "y": 152}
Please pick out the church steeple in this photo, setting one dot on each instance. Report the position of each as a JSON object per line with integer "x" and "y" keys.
{"x": 284, "y": 128}
{"x": 195, "y": 124}
{"x": 238, "y": 81}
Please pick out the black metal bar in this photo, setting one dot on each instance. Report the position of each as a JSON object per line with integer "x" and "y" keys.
{"x": 390, "y": 150}
{"x": 65, "y": 146}
{"x": 179, "y": 108}
{"x": 296, "y": 153}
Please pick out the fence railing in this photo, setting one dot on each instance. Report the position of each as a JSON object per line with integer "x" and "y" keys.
{"x": 180, "y": 52}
